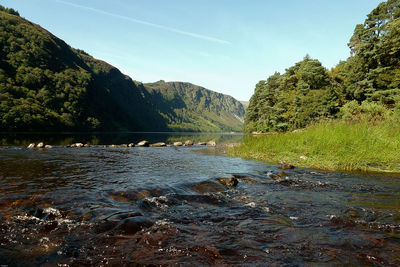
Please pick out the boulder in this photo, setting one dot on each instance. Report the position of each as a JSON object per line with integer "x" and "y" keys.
{"x": 211, "y": 143}
{"x": 159, "y": 144}
{"x": 143, "y": 143}
{"x": 131, "y": 145}
{"x": 77, "y": 145}
{"x": 32, "y": 145}
{"x": 189, "y": 143}
{"x": 40, "y": 145}
{"x": 178, "y": 144}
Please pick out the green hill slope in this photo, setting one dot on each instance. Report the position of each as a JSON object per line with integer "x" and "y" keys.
{"x": 45, "y": 85}
{"x": 189, "y": 107}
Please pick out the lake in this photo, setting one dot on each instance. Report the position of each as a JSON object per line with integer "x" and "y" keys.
{"x": 185, "y": 205}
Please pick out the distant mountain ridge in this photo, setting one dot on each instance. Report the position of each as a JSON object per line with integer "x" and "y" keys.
{"x": 189, "y": 106}
{"x": 45, "y": 85}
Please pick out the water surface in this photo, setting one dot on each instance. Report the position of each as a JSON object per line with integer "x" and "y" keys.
{"x": 123, "y": 206}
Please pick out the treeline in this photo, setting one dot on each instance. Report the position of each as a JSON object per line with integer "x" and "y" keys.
{"x": 366, "y": 84}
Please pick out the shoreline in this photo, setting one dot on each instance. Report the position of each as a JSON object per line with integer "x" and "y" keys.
{"x": 356, "y": 147}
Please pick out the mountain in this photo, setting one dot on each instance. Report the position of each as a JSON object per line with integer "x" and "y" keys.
{"x": 45, "y": 85}
{"x": 190, "y": 107}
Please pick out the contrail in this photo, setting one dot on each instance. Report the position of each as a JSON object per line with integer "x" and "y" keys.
{"x": 166, "y": 28}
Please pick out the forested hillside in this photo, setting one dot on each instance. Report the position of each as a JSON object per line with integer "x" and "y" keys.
{"x": 47, "y": 85}
{"x": 190, "y": 107}
{"x": 366, "y": 84}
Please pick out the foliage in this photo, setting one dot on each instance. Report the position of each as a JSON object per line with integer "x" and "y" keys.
{"x": 300, "y": 96}
{"x": 368, "y": 81}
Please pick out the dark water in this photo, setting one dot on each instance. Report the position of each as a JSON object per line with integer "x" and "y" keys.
{"x": 165, "y": 206}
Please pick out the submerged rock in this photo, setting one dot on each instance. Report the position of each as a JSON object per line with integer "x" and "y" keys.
{"x": 189, "y": 143}
{"x": 207, "y": 187}
{"x": 159, "y": 144}
{"x": 32, "y": 145}
{"x": 143, "y": 143}
{"x": 40, "y": 145}
{"x": 178, "y": 144}
{"x": 133, "y": 225}
{"x": 230, "y": 182}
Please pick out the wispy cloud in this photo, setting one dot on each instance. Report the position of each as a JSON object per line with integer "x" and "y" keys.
{"x": 162, "y": 27}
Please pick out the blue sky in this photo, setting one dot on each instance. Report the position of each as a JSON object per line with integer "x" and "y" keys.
{"x": 224, "y": 45}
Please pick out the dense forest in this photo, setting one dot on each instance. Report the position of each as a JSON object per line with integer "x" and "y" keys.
{"x": 367, "y": 84}
{"x": 45, "y": 85}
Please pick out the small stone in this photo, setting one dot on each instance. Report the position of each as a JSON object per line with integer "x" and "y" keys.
{"x": 211, "y": 143}
{"x": 32, "y": 145}
{"x": 202, "y": 143}
{"x": 231, "y": 181}
{"x": 189, "y": 143}
{"x": 287, "y": 166}
{"x": 143, "y": 143}
{"x": 303, "y": 157}
{"x": 86, "y": 145}
{"x": 160, "y": 144}
{"x": 178, "y": 144}
{"x": 48, "y": 146}
{"x": 131, "y": 145}
{"x": 40, "y": 145}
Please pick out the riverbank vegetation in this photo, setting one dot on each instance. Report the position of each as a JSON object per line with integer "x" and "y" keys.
{"x": 347, "y": 117}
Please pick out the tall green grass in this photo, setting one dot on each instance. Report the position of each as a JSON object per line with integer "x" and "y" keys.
{"x": 331, "y": 145}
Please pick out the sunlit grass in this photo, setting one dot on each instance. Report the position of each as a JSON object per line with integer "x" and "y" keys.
{"x": 334, "y": 145}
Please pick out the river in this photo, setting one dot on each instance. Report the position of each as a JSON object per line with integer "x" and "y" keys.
{"x": 117, "y": 206}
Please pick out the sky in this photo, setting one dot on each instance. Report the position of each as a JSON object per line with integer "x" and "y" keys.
{"x": 224, "y": 45}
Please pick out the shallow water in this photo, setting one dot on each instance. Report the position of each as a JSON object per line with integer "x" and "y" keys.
{"x": 124, "y": 206}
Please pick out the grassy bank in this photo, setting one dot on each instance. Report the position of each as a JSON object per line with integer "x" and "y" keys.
{"x": 334, "y": 145}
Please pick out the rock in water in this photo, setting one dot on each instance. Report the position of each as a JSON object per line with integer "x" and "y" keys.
{"x": 287, "y": 166}
{"x": 189, "y": 143}
{"x": 211, "y": 143}
{"x": 32, "y": 145}
{"x": 143, "y": 143}
{"x": 160, "y": 144}
{"x": 40, "y": 145}
{"x": 77, "y": 145}
{"x": 178, "y": 144}
{"x": 202, "y": 143}
{"x": 230, "y": 182}
{"x": 48, "y": 146}
{"x": 131, "y": 145}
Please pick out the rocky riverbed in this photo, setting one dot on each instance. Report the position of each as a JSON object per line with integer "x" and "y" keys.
{"x": 182, "y": 205}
